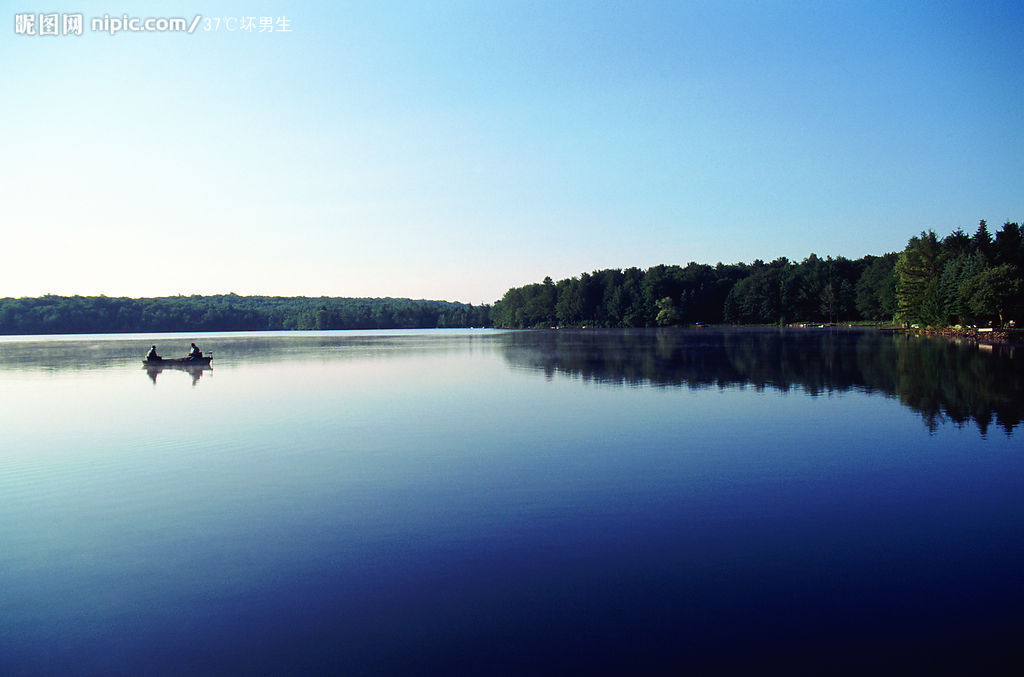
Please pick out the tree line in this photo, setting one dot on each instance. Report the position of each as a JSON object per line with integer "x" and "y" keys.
{"x": 228, "y": 312}
{"x": 959, "y": 279}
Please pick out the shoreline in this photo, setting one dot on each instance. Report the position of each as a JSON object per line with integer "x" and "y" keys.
{"x": 983, "y": 335}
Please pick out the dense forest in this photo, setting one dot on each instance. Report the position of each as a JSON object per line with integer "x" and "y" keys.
{"x": 101, "y": 314}
{"x": 958, "y": 279}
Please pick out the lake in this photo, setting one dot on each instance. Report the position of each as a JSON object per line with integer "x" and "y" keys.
{"x": 485, "y": 502}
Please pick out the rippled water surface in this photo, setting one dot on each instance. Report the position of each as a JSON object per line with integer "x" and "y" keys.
{"x": 481, "y": 502}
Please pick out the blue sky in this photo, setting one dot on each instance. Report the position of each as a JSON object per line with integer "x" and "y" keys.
{"x": 451, "y": 150}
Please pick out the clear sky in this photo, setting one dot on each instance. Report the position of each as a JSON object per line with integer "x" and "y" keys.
{"x": 450, "y": 150}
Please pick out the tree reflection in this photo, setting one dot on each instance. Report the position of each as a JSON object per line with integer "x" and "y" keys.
{"x": 941, "y": 380}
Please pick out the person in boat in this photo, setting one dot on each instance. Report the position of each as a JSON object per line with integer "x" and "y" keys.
{"x": 194, "y": 352}
{"x": 151, "y": 356}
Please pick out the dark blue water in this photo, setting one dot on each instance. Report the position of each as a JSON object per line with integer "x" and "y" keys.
{"x": 511, "y": 503}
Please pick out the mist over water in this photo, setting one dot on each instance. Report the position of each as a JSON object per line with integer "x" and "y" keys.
{"x": 481, "y": 502}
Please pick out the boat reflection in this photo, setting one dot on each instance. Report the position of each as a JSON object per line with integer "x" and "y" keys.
{"x": 194, "y": 370}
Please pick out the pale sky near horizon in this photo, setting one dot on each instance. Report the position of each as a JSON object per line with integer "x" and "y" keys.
{"x": 450, "y": 150}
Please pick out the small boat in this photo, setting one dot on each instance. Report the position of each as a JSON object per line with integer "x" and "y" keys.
{"x": 203, "y": 361}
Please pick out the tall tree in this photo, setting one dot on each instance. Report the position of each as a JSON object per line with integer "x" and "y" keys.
{"x": 917, "y": 271}
{"x": 1009, "y": 245}
{"x": 982, "y": 240}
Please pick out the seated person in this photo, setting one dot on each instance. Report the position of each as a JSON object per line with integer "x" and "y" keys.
{"x": 151, "y": 355}
{"x": 195, "y": 352}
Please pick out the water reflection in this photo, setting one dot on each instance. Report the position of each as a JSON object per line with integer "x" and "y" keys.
{"x": 78, "y": 353}
{"x": 427, "y": 503}
{"x": 943, "y": 381}
{"x": 194, "y": 370}
{"x": 95, "y": 352}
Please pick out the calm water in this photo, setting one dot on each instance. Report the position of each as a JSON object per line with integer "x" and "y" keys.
{"x": 479, "y": 502}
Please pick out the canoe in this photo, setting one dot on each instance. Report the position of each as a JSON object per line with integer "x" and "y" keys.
{"x": 180, "y": 362}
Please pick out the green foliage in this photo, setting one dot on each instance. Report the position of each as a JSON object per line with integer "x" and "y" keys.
{"x": 622, "y": 298}
{"x": 815, "y": 290}
{"x": 667, "y": 315}
{"x": 875, "y": 289}
{"x": 100, "y": 314}
{"x": 960, "y": 279}
{"x": 917, "y": 270}
{"x": 957, "y": 243}
{"x": 1009, "y": 246}
{"x": 757, "y": 298}
{"x": 992, "y": 291}
{"x": 669, "y": 295}
{"x": 923, "y": 283}
{"x": 982, "y": 240}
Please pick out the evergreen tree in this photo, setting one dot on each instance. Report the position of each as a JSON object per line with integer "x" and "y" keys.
{"x": 1009, "y": 245}
{"x": 917, "y": 272}
{"x": 957, "y": 243}
{"x": 970, "y": 266}
{"x": 982, "y": 240}
{"x": 949, "y": 289}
